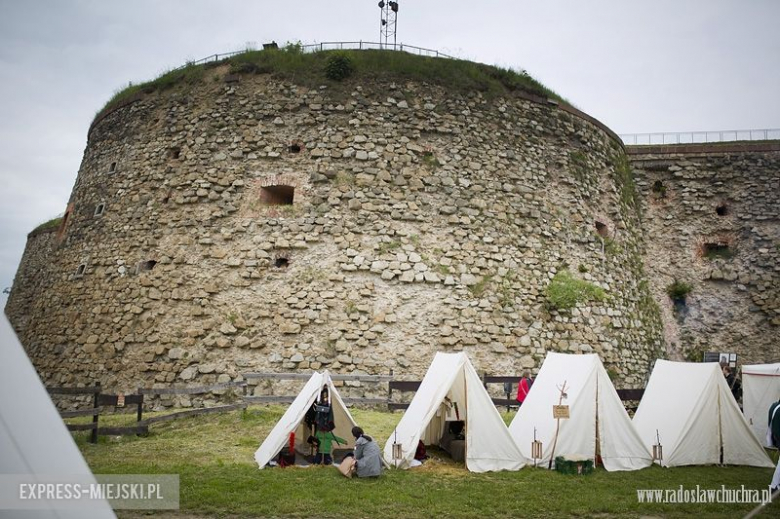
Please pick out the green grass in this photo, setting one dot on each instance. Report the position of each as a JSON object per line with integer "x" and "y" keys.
{"x": 565, "y": 291}
{"x": 678, "y": 289}
{"x": 214, "y": 456}
{"x": 387, "y": 246}
{"x": 478, "y": 288}
{"x": 51, "y": 224}
{"x": 310, "y": 69}
{"x": 624, "y": 177}
{"x": 188, "y": 75}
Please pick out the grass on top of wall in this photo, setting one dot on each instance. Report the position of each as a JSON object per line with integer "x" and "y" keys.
{"x": 50, "y": 224}
{"x": 214, "y": 456}
{"x": 309, "y": 69}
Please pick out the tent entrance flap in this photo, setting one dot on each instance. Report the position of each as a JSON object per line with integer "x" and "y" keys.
{"x": 453, "y": 407}
{"x": 451, "y": 391}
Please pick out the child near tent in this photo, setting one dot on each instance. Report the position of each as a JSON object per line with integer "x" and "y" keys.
{"x": 323, "y": 440}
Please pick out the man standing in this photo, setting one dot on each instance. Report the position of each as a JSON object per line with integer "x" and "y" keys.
{"x": 773, "y": 438}
{"x": 733, "y": 382}
{"x": 523, "y": 387}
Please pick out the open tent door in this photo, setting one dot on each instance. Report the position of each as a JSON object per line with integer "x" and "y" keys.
{"x": 450, "y": 380}
{"x": 293, "y": 420}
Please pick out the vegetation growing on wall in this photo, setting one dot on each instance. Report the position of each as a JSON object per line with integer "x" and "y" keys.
{"x": 339, "y": 66}
{"x": 51, "y": 224}
{"x": 565, "y": 291}
{"x": 624, "y": 177}
{"x": 678, "y": 290}
{"x": 312, "y": 69}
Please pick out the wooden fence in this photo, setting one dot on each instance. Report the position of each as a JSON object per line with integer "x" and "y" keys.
{"x": 404, "y": 386}
{"x": 101, "y": 400}
{"x": 141, "y": 427}
{"x": 98, "y": 401}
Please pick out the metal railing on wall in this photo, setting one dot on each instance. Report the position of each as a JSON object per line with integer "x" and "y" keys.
{"x": 332, "y": 45}
{"x": 640, "y": 139}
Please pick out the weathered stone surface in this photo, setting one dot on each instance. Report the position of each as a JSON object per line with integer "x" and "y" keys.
{"x": 411, "y": 230}
{"x": 188, "y": 373}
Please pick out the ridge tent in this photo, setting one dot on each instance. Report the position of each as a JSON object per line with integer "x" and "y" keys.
{"x": 760, "y": 389}
{"x": 598, "y": 424}
{"x": 451, "y": 380}
{"x": 696, "y": 416}
{"x": 293, "y": 420}
{"x": 33, "y": 438}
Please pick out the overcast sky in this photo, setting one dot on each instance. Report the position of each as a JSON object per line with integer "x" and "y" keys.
{"x": 652, "y": 66}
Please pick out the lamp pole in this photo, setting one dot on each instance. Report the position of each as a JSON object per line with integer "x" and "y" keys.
{"x": 388, "y": 22}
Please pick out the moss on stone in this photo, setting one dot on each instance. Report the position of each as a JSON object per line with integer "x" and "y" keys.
{"x": 51, "y": 224}
{"x": 565, "y": 291}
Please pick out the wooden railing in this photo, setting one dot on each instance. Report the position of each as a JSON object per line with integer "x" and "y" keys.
{"x": 141, "y": 427}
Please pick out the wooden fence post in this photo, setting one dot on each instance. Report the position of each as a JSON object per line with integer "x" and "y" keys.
{"x": 95, "y": 402}
{"x": 390, "y": 389}
{"x": 140, "y": 405}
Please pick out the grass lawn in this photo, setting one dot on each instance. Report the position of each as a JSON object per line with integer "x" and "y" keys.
{"x": 214, "y": 456}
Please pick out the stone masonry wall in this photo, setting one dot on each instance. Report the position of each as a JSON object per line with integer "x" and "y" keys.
{"x": 712, "y": 220}
{"x": 422, "y": 220}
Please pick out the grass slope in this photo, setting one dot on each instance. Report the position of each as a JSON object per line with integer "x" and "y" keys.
{"x": 309, "y": 69}
{"x": 214, "y": 457}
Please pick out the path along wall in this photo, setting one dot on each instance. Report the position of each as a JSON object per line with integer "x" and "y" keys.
{"x": 236, "y": 226}
{"x": 711, "y": 219}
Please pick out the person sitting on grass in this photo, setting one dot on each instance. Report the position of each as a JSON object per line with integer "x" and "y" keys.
{"x": 324, "y": 441}
{"x": 368, "y": 457}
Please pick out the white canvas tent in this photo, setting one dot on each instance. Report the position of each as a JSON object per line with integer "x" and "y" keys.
{"x": 760, "y": 389}
{"x": 597, "y": 423}
{"x": 33, "y": 437}
{"x": 293, "y": 420}
{"x": 695, "y": 415}
{"x": 488, "y": 444}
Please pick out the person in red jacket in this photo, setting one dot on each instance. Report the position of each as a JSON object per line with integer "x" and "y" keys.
{"x": 523, "y": 387}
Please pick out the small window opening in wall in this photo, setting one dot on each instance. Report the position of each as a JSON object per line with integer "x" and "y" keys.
{"x": 295, "y": 148}
{"x": 717, "y": 251}
{"x": 722, "y": 210}
{"x": 281, "y": 263}
{"x": 602, "y": 229}
{"x": 277, "y": 195}
{"x": 100, "y": 209}
{"x": 174, "y": 153}
{"x": 112, "y": 167}
{"x": 81, "y": 270}
{"x": 146, "y": 265}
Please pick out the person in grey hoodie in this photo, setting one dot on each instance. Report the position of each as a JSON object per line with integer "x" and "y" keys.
{"x": 367, "y": 455}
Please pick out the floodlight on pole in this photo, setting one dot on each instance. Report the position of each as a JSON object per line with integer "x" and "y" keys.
{"x": 388, "y": 22}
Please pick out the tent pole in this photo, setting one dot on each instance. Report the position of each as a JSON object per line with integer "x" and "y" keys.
{"x": 557, "y": 428}
{"x": 720, "y": 432}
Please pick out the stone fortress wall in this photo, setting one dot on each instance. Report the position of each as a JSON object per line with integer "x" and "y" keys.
{"x": 247, "y": 223}
{"x": 712, "y": 220}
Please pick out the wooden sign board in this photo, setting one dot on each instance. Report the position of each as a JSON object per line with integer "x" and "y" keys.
{"x": 560, "y": 411}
